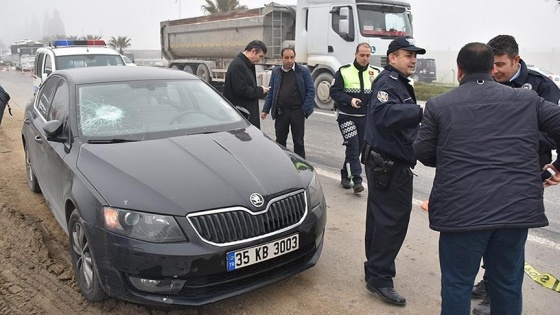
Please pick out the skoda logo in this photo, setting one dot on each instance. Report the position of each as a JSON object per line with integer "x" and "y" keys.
{"x": 257, "y": 200}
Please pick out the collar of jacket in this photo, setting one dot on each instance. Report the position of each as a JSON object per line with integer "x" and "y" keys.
{"x": 476, "y": 77}
{"x": 522, "y": 77}
{"x": 249, "y": 64}
{"x": 359, "y": 67}
{"x": 393, "y": 70}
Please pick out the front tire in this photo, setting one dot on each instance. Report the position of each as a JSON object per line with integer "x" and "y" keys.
{"x": 83, "y": 260}
{"x": 31, "y": 179}
{"x": 323, "y": 84}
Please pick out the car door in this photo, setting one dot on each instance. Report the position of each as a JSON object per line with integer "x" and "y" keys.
{"x": 35, "y": 119}
{"x": 54, "y": 152}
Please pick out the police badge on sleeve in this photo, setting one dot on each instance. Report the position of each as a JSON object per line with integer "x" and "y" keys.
{"x": 382, "y": 96}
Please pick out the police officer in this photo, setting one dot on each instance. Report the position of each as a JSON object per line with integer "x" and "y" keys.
{"x": 393, "y": 119}
{"x": 511, "y": 70}
{"x": 351, "y": 92}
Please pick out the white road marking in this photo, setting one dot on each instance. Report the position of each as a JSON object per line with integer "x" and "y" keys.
{"x": 531, "y": 238}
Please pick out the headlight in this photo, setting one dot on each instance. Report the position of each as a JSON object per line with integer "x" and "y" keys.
{"x": 315, "y": 192}
{"x": 143, "y": 226}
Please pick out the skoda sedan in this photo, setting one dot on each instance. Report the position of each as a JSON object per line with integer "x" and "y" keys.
{"x": 167, "y": 193}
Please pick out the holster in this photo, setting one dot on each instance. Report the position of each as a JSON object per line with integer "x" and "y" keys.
{"x": 382, "y": 167}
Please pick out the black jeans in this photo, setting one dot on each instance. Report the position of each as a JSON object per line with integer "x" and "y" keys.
{"x": 388, "y": 214}
{"x": 296, "y": 119}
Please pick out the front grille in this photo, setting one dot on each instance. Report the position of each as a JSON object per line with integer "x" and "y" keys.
{"x": 237, "y": 224}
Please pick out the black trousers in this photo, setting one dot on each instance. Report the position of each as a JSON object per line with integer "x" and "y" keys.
{"x": 388, "y": 214}
{"x": 296, "y": 120}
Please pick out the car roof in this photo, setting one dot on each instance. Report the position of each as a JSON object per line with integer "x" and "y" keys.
{"x": 86, "y": 75}
{"x": 80, "y": 50}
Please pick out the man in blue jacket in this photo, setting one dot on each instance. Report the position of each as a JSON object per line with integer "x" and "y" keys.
{"x": 290, "y": 99}
{"x": 485, "y": 200}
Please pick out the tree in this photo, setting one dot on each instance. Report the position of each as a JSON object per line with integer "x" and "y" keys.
{"x": 223, "y": 6}
{"x": 120, "y": 43}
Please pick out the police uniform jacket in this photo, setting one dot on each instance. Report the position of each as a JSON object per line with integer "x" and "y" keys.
{"x": 353, "y": 81}
{"x": 482, "y": 137}
{"x": 304, "y": 85}
{"x": 393, "y": 117}
{"x": 530, "y": 79}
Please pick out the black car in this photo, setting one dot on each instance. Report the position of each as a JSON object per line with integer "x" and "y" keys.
{"x": 167, "y": 193}
{"x": 425, "y": 70}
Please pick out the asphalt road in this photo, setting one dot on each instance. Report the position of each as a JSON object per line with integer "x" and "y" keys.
{"x": 337, "y": 280}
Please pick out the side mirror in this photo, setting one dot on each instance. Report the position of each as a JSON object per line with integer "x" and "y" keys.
{"x": 53, "y": 129}
{"x": 243, "y": 112}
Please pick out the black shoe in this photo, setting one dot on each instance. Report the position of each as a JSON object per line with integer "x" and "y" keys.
{"x": 358, "y": 188}
{"x": 483, "y": 308}
{"x": 479, "y": 290}
{"x": 345, "y": 182}
{"x": 389, "y": 295}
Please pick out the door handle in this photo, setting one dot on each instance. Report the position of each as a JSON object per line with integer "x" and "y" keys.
{"x": 26, "y": 121}
{"x": 38, "y": 139}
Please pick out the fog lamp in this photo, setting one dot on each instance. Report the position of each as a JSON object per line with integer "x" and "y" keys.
{"x": 165, "y": 286}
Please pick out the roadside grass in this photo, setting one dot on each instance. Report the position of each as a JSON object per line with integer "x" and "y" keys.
{"x": 425, "y": 91}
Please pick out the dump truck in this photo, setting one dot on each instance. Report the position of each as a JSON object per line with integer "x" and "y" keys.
{"x": 324, "y": 33}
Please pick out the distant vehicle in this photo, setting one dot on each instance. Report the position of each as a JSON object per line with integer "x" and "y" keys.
{"x": 425, "y": 70}
{"x": 166, "y": 191}
{"x": 23, "y": 52}
{"x": 128, "y": 61}
{"x": 547, "y": 73}
{"x": 6, "y": 61}
{"x": 63, "y": 54}
{"x": 323, "y": 32}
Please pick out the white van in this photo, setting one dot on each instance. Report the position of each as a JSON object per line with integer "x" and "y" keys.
{"x": 64, "y": 54}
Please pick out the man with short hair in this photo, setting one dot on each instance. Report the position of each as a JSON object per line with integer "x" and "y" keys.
{"x": 291, "y": 100}
{"x": 485, "y": 200}
{"x": 511, "y": 70}
{"x": 351, "y": 92}
{"x": 240, "y": 86}
{"x": 393, "y": 117}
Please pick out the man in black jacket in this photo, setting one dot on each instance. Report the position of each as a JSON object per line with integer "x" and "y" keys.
{"x": 240, "y": 86}
{"x": 392, "y": 122}
{"x": 485, "y": 200}
{"x": 4, "y": 98}
{"x": 511, "y": 70}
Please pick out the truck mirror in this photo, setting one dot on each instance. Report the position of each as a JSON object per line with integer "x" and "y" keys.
{"x": 344, "y": 13}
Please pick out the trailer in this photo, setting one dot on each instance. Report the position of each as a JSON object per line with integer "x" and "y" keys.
{"x": 324, "y": 33}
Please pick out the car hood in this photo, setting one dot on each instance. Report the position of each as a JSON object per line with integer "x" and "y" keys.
{"x": 197, "y": 172}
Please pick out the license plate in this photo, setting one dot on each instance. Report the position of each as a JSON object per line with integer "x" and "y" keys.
{"x": 253, "y": 255}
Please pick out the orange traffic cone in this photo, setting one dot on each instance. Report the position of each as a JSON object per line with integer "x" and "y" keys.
{"x": 424, "y": 205}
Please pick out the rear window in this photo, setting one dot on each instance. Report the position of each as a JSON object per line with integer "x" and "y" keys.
{"x": 89, "y": 60}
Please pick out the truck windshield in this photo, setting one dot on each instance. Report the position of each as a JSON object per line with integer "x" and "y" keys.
{"x": 384, "y": 21}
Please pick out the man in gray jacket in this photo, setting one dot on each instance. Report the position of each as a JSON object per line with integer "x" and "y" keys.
{"x": 482, "y": 137}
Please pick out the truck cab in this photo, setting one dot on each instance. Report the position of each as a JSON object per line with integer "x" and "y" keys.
{"x": 328, "y": 32}
{"x": 64, "y": 54}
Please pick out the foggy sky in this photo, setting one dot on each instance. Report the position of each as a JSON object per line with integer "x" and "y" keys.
{"x": 438, "y": 24}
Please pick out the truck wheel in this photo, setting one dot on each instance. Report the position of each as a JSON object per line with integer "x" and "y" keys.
{"x": 203, "y": 72}
{"x": 322, "y": 84}
{"x": 188, "y": 69}
{"x": 175, "y": 67}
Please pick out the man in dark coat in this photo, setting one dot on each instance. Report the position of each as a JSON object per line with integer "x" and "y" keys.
{"x": 510, "y": 69}
{"x": 4, "y": 98}
{"x": 482, "y": 137}
{"x": 240, "y": 86}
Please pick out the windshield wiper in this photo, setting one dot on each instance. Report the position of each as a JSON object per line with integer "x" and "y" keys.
{"x": 116, "y": 140}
